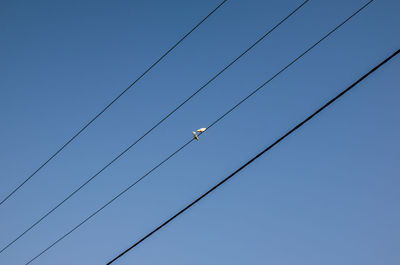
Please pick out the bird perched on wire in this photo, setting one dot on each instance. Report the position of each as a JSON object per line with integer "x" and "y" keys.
{"x": 201, "y": 130}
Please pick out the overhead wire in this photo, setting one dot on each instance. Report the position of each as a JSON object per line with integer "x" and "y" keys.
{"x": 188, "y": 142}
{"x": 109, "y": 105}
{"x": 151, "y": 129}
{"x": 254, "y": 158}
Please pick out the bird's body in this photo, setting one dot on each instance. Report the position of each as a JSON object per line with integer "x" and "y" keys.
{"x": 195, "y": 136}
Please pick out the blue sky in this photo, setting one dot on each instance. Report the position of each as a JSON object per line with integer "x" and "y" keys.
{"x": 328, "y": 194}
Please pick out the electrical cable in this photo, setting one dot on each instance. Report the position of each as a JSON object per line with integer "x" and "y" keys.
{"x": 111, "y": 103}
{"x": 254, "y": 158}
{"x": 150, "y": 130}
{"x": 188, "y": 142}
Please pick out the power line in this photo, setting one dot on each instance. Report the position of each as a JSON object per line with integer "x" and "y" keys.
{"x": 112, "y": 102}
{"x": 150, "y": 130}
{"x": 254, "y": 158}
{"x": 188, "y": 142}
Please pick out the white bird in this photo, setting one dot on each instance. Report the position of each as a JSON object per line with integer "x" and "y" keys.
{"x": 201, "y": 130}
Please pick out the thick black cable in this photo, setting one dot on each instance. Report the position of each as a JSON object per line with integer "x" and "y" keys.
{"x": 254, "y": 158}
{"x": 187, "y": 143}
{"x": 150, "y": 130}
{"x": 112, "y": 102}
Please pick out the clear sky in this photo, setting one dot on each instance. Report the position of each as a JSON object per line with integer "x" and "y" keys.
{"x": 329, "y": 194}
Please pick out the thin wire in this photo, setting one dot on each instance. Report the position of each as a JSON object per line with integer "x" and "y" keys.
{"x": 291, "y": 63}
{"x": 187, "y": 143}
{"x": 254, "y": 158}
{"x": 112, "y": 102}
{"x": 150, "y": 130}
